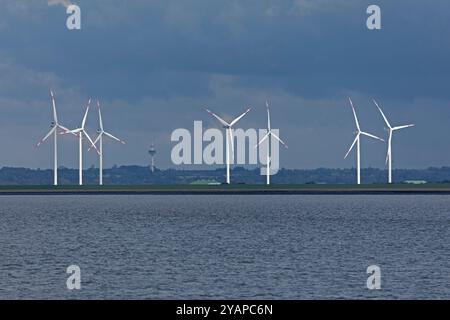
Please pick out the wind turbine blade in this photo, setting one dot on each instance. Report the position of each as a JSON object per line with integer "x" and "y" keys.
{"x": 384, "y": 117}
{"x": 403, "y": 127}
{"x": 46, "y": 136}
{"x": 371, "y": 136}
{"x": 75, "y": 131}
{"x": 113, "y": 137}
{"x": 100, "y": 116}
{"x": 85, "y": 114}
{"x": 65, "y": 129}
{"x": 95, "y": 141}
{"x": 278, "y": 138}
{"x": 223, "y": 122}
{"x": 90, "y": 140}
{"x": 351, "y": 147}
{"x": 268, "y": 116}
{"x": 354, "y": 114}
{"x": 263, "y": 139}
{"x": 55, "y": 116}
{"x": 240, "y": 117}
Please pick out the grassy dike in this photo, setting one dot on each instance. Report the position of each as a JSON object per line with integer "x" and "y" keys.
{"x": 228, "y": 189}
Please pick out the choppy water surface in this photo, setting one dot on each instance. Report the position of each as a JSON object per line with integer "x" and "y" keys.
{"x": 255, "y": 247}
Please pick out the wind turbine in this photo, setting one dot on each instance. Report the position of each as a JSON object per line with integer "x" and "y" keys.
{"x": 99, "y": 138}
{"x": 55, "y": 125}
{"x": 358, "y": 143}
{"x": 269, "y": 134}
{"x": 229, "y": 140}
{"x": 80, "y": 132}
{"x": 391, "y": 131}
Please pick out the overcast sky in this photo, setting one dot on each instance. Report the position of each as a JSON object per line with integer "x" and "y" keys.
{"x": 154, "y": 65}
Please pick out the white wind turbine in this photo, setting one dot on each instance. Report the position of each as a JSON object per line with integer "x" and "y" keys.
{"x": 358, "y": 143}
{"x": 99, "y": 139}
{"x": 229, "y": 137}
{"x": 55, "y": 125}
{"x": 391, "y": 131}
{"x": 80, "y": 132}
{"x": 269, "y": 134}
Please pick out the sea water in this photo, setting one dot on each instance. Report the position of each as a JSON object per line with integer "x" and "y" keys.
{"x": 224, "y": 246}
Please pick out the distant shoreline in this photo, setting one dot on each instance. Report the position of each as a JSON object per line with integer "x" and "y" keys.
{"x": 400, "y": 189}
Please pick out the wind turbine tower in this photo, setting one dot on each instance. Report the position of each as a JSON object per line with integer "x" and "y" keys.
{"x": 99, "y": 139}
{"x": 80, "y": 132}
{"x": 391, "y": 130}
{"x": 55, "y": 126}
{"x": 357, "y": 141}
{"x": 267, "y": 137}
{"x": 152, "y": 153}
{"x": 229, "y": 137}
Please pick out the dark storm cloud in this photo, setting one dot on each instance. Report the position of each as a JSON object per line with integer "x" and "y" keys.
{"x": 156, "y": 63}
{"x": 307, "y": 47}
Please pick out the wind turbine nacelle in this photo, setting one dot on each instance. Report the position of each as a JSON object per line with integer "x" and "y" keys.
{"x": 52, "y": 124}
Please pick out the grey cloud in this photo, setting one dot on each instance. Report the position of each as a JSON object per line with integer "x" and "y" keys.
{"x": 155, "y": 64}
